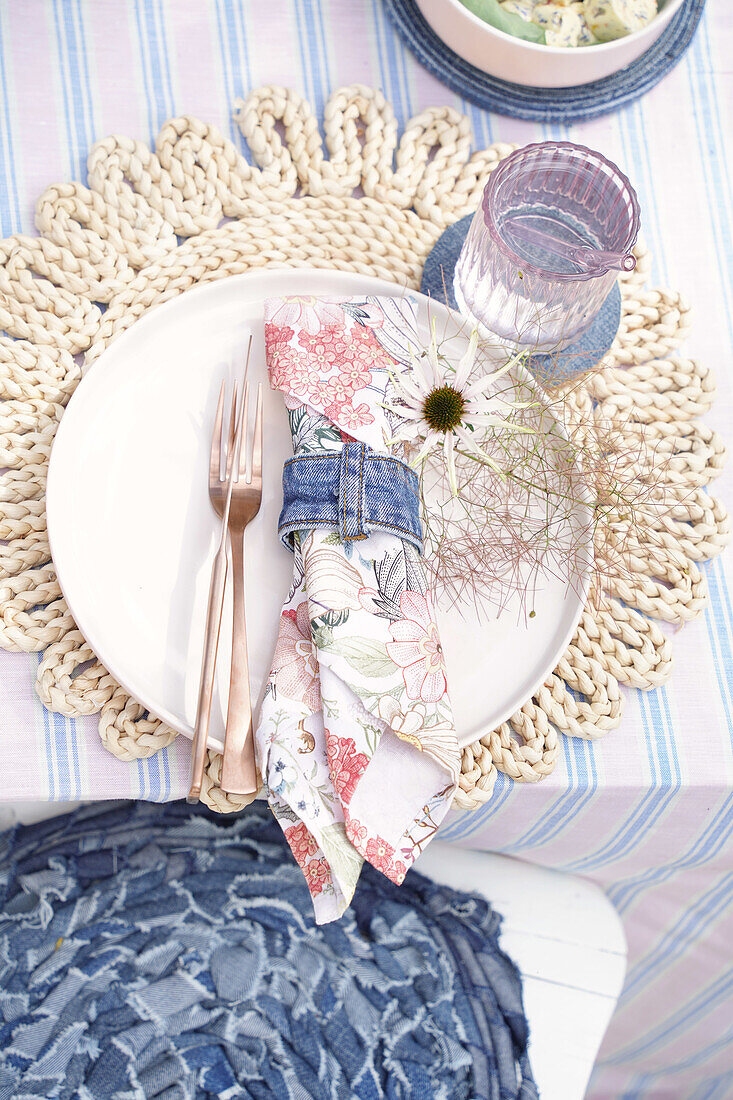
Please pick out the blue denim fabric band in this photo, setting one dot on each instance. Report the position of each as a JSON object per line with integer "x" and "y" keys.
{"x": 354, "y": 492}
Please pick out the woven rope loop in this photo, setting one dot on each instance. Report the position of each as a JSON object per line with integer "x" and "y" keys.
{"x": 149, "y": 224}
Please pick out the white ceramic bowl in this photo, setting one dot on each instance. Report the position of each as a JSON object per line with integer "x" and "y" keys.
{"x": 532, "y": 64}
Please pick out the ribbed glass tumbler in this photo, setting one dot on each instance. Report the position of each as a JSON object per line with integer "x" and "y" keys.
{"x": 556, "y": 224}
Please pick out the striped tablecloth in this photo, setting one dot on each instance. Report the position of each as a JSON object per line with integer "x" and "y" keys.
{"x": 648, "y": 811}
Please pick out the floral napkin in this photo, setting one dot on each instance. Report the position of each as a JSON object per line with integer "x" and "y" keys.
{"x": 356, "y": 743}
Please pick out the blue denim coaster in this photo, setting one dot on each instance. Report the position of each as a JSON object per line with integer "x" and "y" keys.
{"x": 544, "y": 104}
{"x": 589, "y": 349}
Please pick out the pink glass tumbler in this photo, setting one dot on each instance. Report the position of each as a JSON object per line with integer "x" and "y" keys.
{"x": 556, "y": 225}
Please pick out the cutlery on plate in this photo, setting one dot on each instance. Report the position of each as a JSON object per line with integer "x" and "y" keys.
{"x": 238, "y": 768}
{"x": 214, "y": 610}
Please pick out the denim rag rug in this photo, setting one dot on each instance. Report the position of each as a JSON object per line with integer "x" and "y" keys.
{"x": 160, "y": 951}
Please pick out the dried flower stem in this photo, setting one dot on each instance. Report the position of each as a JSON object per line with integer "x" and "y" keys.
{"x": 530, "y": 499}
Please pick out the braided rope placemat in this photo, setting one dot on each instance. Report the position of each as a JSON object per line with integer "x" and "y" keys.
{"x": 150, "y": 225}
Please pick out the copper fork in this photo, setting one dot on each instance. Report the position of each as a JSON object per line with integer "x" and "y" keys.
{"x": 238, "y": 769}
{"x": 216, "y": 596}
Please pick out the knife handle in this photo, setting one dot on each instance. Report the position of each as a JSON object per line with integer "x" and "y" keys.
{"x": 208, "y": 668}
{"x": 238, "y": 770}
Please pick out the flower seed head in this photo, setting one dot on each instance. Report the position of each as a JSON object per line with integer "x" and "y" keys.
{"x": 443, "y": 408}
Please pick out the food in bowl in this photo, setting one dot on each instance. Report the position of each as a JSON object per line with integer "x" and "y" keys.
{"x": 563, "y": 23}
{"x": 525, "y": 58}
{"x": 610, "y": 19}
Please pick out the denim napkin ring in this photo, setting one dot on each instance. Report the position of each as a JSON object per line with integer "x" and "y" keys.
{"x": 354, "y": 492}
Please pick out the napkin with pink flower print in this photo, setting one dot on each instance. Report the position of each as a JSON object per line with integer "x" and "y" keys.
{"x": 356, "y": 742}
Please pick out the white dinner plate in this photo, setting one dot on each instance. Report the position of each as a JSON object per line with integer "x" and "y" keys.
{"x": 133, "y": 535}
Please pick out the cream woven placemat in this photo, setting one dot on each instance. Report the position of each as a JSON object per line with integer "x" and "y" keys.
{"x": 149, "y": 225}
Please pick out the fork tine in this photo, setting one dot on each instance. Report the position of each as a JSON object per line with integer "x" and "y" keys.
{"x": 257, "y": 446}
{"x": 232, "y": 433}
{"x": 215, "y": 452}
{"x": 243, "y": 454}
{"x": 245, "y": 432}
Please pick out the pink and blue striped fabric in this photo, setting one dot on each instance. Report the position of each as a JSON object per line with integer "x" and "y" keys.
{"x": 648, "y": 812}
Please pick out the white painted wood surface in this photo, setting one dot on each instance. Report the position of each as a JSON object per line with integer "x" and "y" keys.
{"x": 569, "y": 944}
